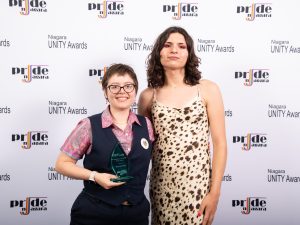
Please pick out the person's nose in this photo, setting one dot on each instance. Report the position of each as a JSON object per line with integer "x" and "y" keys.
{"x": 174, "y": 49}
{"x": 122, "y": 90}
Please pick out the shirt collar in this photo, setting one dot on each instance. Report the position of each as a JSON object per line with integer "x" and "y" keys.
{"x": 107, "y": 119}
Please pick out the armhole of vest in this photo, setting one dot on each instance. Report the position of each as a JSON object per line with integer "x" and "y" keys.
{"x": 143, "y": 121}
{"x": 91, "y": 118}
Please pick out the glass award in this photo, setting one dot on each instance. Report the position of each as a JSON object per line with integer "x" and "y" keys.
{"x": 119, "y": 164}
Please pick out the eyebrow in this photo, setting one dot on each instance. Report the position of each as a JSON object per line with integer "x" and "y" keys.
{"x": 180, "y": 43}
{"x": 117, "y": 83}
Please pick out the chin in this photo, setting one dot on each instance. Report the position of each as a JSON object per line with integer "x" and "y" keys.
{"x": 173, "y": 66}
{"x": 122, "y": 106}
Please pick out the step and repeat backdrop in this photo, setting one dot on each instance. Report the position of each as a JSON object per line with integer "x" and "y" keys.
{"x": 54, "y": 53}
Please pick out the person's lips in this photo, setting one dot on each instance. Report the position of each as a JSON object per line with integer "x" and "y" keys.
{"x": 122, "y": 99}
{"x": 173, "y": 58}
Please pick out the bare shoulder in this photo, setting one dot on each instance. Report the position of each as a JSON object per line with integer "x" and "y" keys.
{"x": 147, "y": 94}
{"x": 209, "y": 88}
{"x": 145, "y": 102}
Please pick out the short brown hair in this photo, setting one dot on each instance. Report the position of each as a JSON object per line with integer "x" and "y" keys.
{"x": 120, "y": 69}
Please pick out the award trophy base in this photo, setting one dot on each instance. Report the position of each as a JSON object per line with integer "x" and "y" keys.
{"x": 121, "y": 179}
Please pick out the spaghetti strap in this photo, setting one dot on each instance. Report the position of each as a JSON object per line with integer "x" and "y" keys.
{"x": 154, "y": 94}
{"x": 198, "y": 91}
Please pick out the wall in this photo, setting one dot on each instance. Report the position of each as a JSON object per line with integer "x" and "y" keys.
{"x": 53, "y": 53}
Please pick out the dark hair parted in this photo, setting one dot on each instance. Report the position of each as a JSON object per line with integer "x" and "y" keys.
{"x": 120, "y": 69}
{"x": 155, "y": 70}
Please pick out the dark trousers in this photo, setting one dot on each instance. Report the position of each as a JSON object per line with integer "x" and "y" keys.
{"x": 88, "y": 210}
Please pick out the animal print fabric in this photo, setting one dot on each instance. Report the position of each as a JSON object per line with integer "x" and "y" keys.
{"x": 181, "y": 166}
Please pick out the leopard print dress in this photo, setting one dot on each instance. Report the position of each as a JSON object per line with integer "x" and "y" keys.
{"x": 181, "y": 165}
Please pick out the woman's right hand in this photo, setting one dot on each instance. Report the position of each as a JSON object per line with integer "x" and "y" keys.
{"x": 104, "y": 180}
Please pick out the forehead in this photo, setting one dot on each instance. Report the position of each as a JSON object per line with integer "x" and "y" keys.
{"x": 176, "y": 38}
{"x": 120, "y": 78}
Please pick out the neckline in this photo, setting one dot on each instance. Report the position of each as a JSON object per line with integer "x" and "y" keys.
{"x": 187, "y": 105}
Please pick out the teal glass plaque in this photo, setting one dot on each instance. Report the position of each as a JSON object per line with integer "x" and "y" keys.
{"x": 119, "y": 164}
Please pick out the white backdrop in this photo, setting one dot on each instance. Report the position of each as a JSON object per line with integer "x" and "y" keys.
{"x": 53, "y": 53}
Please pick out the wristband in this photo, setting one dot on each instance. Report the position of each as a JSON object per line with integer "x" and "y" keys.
{"x": 92, "y": 176}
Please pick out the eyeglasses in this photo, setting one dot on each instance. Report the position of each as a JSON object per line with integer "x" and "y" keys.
{"x": 115, "y": 89}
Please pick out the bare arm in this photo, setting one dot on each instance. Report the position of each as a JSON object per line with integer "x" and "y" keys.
{"x": 67, "y": 166}
{"x": 216, "y": 117}
{"x": 145, "y": 103}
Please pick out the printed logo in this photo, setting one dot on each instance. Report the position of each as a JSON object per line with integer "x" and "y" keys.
{"x": 283, "y": 47}
{"x": 5, "y": 110}
{"x": 59, "y": 108}
{"x": 5, "y": 177}
{"x": 98, "y": 72}
{"x": 251, "y": 204}
{"x": 253, "y": 76}
{"x": 27, "y": 6}
{"x": 228, "y": 113}
{"x": 134, "y": 108}
{"x": 251, "y": 140}
{"x": 279, "y": 176}
{"x": 107, "y": 8}
{"x": 54, "y": 176}
{"x": 31, "y": 72}
{"x": 31, "y": 138}
{"x": 211, "y": 46}
{"x": 182, "y": 10}
{"x": 256, "y": 10}
{"x": 227, "y": 178}
{"x": 4, "y": 43}
{"x": 136, "y": 44}
{"x": 281, "y": 111}
{"x": 60, "y": 42}
{"x": 30, "y": 204}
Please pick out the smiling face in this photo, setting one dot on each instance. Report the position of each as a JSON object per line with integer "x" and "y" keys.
{"x": 174, "y": 53}
{"x": 123, "y": 99}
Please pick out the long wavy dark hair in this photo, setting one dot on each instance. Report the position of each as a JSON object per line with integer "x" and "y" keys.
{"x": 155, "y": 70}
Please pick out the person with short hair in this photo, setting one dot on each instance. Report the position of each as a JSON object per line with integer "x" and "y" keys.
{"x": 106, "y": 199}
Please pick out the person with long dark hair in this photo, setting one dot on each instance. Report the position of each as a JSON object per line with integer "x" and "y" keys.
{"x": 186, "y": 111}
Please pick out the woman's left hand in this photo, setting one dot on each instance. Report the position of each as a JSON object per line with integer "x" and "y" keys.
{"x": 208, "y": 208}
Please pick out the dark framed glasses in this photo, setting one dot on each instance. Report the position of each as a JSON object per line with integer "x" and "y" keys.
{"x": 115, "y": 89}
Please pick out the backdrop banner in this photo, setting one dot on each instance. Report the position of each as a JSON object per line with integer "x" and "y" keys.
{"x": 54, "y": 53}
